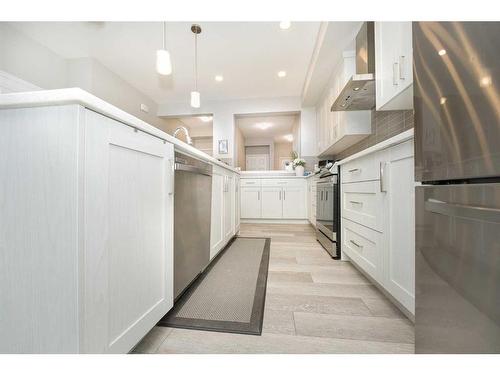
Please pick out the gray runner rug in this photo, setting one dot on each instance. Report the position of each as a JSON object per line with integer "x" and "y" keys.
{"x": 229, "y": 296}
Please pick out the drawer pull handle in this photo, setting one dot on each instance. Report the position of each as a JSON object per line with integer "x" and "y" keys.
{"x": 356, "y": 202}
{"x": 356, "y": 244}
{"x": 354, "y": 170}
{"x": 249, "y": 183}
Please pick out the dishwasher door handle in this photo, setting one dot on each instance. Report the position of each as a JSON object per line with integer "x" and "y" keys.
{"x": 192, "y": 169}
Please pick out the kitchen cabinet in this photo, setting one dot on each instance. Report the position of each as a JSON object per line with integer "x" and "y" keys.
{"x": 223, "y": 215}
{"x": 237, "y": 203}
{"x": 272, "y": 204}
{"x": 340, "y": 129}
{"x": 274, "y": 198}
{"x": 294, "y": 202}
{"x": 89, "y": 234}
{"x": 251, "y": 207}
{"x": 393, "y": 65}
{"x": 229, "y": 218}
{"x": 378, "y": 227}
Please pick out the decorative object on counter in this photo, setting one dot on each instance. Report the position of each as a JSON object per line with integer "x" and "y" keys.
{"x": 288, "y": 166}
{"x": 299, "y": 164}
{"x": 223, "y": 146}
{"x": 195, "y": 95}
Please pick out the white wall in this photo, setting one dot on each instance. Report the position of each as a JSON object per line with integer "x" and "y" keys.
{"x": 308, "y": 132}
{"x": 224, "y": 111}
{"x": 30, "y": 61}
{"x": 24, "y": 59}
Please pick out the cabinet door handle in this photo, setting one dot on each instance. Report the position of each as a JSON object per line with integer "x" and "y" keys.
{"x": 280, "y": 194}
{"x": 284, "y": 195}
{"x": 355, "y": 244}
{"x": 382, "y": 173}
{"x": 258, "y": 193}
{"x": 356, "y": 202}
{"x": 401, "y": 68}
{"x": 354, "y": 170}
{"x": 326, "y": 195}
{"x": 395, "y": 73}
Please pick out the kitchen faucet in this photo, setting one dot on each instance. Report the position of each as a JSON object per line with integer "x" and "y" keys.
{"x": 188, "y": 138}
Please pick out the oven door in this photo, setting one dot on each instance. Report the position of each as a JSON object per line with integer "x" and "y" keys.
{"x": 325, "y": 208}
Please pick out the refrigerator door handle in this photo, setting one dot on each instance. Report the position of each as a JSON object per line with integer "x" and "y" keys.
{"x": 465, "y": 211}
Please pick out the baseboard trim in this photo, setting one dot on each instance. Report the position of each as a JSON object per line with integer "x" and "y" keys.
{"x": 274, "y": 221}
{"x": 389, "y": 296}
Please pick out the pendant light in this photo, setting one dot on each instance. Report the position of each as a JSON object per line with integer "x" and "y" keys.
{"x": 195, "y": 95}
{"x": 163, "y": 62}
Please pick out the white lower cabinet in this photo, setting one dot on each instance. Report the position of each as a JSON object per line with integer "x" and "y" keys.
{"x": 223, "y": 215}
{"x": 237, "y": 203}
{"x": 89, "y": 233}
{"x": 274, "y": 199}
{"x": 378, "y": 220}
{"x": 272, "y": 204}
{"x": 250, "y": 202}
{"x": 294, "y": 202}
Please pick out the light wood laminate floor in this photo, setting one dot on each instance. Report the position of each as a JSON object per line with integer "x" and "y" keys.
{"x": 314, "y": 304}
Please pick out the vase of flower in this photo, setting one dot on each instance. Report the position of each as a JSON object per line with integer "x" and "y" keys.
{"x": 299, "y": 164}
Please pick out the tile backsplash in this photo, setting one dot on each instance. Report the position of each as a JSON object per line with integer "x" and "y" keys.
{"x": 385, "y": 124}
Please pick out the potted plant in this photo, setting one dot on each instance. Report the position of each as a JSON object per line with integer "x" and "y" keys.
{"x": 299, "y": 164}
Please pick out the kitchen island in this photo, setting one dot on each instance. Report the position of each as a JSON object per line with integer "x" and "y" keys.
{"x": 87, "y": 195}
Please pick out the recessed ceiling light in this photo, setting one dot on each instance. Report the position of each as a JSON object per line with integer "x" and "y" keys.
{"x": 442, "y": 52}
{"x": 284, "y": 25}
{"x": 205, "y": 118}
{"x": 263, "y": 125}
{"x": 219, "y": 78}
{"x": 288, "y": 137}
{"x": 281, "y": 74}
{"x": 442, "y": 101}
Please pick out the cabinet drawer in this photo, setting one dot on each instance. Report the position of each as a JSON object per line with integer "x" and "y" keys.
{"x": 250, "y": 181}
{"x": 363, "y": 246}
{"x": 283, "y": 182}
{"x": 362, "y": 203}
{"x": 366, "y": 168}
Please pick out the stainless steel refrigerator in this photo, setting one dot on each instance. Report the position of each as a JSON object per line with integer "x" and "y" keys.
{"x": 457, "y": 159}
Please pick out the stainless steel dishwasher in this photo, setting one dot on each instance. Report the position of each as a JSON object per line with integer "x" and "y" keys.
{"x": 192, "y": 209}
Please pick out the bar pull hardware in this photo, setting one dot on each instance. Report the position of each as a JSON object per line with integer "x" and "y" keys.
{"x": 280, "y": 194}
{"x": 356, "y": 202}
{"x": 326, "y": 195}
{"x": 395, "y": 73}
{"x": 356, "y": 244}
{"x": 284, "y": 195}
{"x": 401, "y": 68}
{"x": 258, "y": 195}
{"x": 382, "y": 173}
{"x": 354, "y": 170}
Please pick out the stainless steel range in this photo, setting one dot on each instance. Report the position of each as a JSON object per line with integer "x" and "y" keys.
{"x": 328, "y": 209}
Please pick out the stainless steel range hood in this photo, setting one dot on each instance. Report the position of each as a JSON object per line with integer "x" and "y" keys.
{"x": 359, "y": 92}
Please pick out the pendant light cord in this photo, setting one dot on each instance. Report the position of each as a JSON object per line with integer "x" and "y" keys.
{"x": 164, "y": 35}
{"x": 196, "y": 62}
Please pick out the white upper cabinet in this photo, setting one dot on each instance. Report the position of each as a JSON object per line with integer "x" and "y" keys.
{"x": 393, "y": 65}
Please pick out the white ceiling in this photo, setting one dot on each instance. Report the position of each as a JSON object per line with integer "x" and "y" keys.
{"x": 279, "y": 126}
{"x": 247, "y": 54}
{"x": 193, "y": 122}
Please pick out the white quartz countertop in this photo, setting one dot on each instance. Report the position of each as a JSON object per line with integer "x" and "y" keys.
{"x": 269, "y": 174}
{"x": 78, "y": 96}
